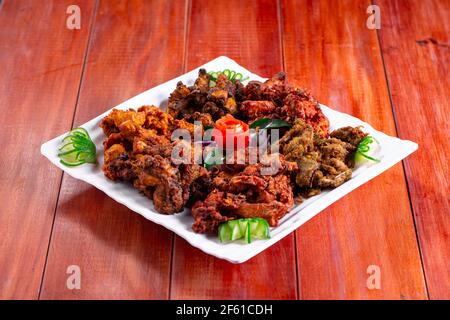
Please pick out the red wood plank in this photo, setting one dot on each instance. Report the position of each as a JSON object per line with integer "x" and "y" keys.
{"x": 40, "y": 62}
{"x": 239, "y": 30}
{"x": 415, "y": 44}
{"x": 135, "y": 45}
{"x": 330, "y": 50}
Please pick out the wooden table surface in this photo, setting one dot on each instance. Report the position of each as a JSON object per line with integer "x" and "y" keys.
{"x": 53, "y": 78}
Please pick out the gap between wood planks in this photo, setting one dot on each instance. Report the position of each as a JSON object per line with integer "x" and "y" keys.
{"x": 187, "y": 14}
{"x": 394, "y": 115}
{"x": 283, "y": 65}
{"x": 91, "y": 27}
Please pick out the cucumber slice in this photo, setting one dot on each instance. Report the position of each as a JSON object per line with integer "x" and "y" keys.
{"x": 368, "y": 149}
{"x": 72, "y": 164}
{"x": 82, "y": 131}
{"x": 260, "y": 228}
{"x": 248, "y": 233}
{"x": 236, "y": 231}
{"x": 224, "y": 232}
{"x": 246, "y": 229}
{"x": 77, "y": 148}
{"x": 69, "y": 155}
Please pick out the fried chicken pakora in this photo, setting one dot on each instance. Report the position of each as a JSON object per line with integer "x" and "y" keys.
{"x": 275, "y": 98}
{"x": 245, "y": 193}
{"x": 322, "y": 162}
{"x": 138, "y": 149}
{"x": 202, "y": 102}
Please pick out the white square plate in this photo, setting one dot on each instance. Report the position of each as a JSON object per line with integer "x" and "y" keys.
{"x": 393, "y": 150}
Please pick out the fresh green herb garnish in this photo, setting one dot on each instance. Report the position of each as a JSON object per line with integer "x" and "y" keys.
{"x": 267, "y": 123}
{"x": 248, "y": 229}
{"x": 364, "y": 147}
{"x": 77, "y": 148}
{"x": 230, "y": 74}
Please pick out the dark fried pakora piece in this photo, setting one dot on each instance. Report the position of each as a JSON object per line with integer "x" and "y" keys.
{"x": 299, "y": 104}
{"x": 275, "y": 89}
{"x": 218, "y": 207}
{"x": 252, "y": 110}
{"x": 159, "y": 180}
{"x": 179, "y": 103}
{"x": 205, "y": 118}
{"x": 352, "y": 135}
{"x": 204, "y": 103}
{"x": 166, "y": 184}
{"x": 322, "y": 163}
{"x": 138, "y": 149}
{"x": 276, "y": 98}
{"x": 246, "y": 194}
{"x": 186, "y": 100}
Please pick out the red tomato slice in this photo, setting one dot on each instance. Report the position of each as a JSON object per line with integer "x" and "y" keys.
{"x": 228, "y": 128}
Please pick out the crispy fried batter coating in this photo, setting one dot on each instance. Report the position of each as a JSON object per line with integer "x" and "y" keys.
{"x": 246, "y": 194}
{"x": 253, "y": 110}
{"x": 202, "y": 102}
{"x": 138, "y": 149}
{"x": 276, "y": 98}
{"x": 299, "y": 104}
{"x": 275, "y": 89}
{"x": 322, "y": 163}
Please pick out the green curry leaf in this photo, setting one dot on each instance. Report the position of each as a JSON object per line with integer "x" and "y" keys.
{"x": 267, "y": 123}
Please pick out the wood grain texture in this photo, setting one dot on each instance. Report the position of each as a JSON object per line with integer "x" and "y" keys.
{"x": 135, "y": 45}
{"x": 40, "y": 62}
{"x": 329, "y": 50}
{"x": 239, "y": 30}
{"x": 416, "y": 48}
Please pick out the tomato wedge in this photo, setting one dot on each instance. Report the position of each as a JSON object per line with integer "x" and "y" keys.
{"x": 228, "y": 129}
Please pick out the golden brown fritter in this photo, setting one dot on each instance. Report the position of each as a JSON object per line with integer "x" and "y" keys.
{"x": 138, "y": 149}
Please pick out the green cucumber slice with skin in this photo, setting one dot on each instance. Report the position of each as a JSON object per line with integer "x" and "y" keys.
{"x": 81, "y": 130}
{"x": 366, "y": 150}
{"x": 236, "y": 230}
{"x": 230, "y": 74}
{"x": 260, "y": 229}
{"x": 248, "y": 234}
{"x": 77, "y": 148}
{"x": 246, "y": 229}
{"x": 224, "y": 232}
